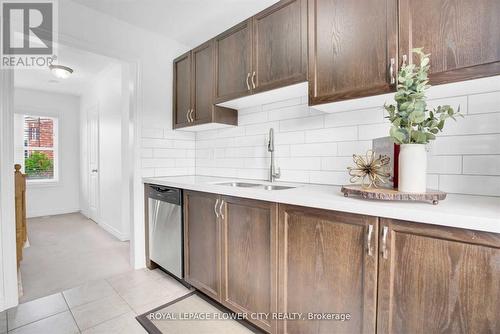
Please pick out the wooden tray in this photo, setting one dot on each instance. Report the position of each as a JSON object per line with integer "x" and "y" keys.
{"x": 386, "y": 194}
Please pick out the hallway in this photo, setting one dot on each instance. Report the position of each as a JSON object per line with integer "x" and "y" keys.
{"x": 66, "y": 251}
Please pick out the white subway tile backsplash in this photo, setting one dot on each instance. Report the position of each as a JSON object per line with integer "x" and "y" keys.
{"x": 356, "y": 117}
{"x": 311, "y": 146}
{"x": 152, "y": 133}
{"x": 476, "y": 144}
{"x": 257, "y": 117}
{"x": 455, "y": 102}
{"x": 313, "y": 150}
{"x": 180, "y": 135}
{"x": 484, "y": 103}
{"x": 336, "y": 163}
{"x": 153, "y": 163}
{"x": 470, "y": 184}
{"x": 473, "y": 124}
{"x": 169, "y": 153}
{"x": 295, "y": 175}
{"x": 481, "y": 164}
{"x": 300, "y": 124}
{"x": 231, "y": 132}
{"x": 184, "y": 144}
{"x": 146, "y": 153}
{"x": 309, "y": 163}
{"x": 297, "y": 137}
{"x": 175, "y": 171}
{"x": 444, "y": 164}
{"x": 157, "y": 143}
{"x": 249, "y": 110}
{"x": 261, "y": 128}
{"x": 347, "y": 149}
{"x": 372, "y": 131}
{"x": 297, "y": 111}
{"x": 432, "y": 181}
{"x": 332, "y": 135}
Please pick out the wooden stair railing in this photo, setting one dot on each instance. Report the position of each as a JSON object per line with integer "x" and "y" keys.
{"x": 20, "y": 198}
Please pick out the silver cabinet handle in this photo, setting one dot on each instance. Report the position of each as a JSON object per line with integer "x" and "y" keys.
{"x": 369, "y": 240}
{"x": 405, "y": 58}
{"x": 215, "y": 208}
{"x": 391, "y": 71}
{"x": 191, "y": 115}
{"x": 187, "y": 115}
{"x": 248, "y": 84}
{"x": 253, "y": 80}
{"x": 385, "y": 232}
{"x": 220, "y": 209}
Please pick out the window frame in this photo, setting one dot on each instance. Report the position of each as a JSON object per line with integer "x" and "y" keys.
{"x": 54, "y": 148}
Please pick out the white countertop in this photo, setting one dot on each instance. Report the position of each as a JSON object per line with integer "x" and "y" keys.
{"x": 463, "y": 211}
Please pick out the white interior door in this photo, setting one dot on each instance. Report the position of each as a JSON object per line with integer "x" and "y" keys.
{"x": 93, "y": 161}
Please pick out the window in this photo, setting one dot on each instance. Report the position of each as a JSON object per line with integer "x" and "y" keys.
{"x": 40, "y": 148}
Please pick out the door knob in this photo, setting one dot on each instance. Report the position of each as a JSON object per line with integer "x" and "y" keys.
{"x": 94, "y": 170}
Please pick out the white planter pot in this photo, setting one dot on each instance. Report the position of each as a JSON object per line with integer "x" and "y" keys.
{"x": 412, "y": 168}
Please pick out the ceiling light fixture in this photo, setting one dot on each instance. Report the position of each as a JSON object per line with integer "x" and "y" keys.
{"x": 60, "y": 71}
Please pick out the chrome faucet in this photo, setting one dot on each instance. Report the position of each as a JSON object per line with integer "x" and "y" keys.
{"x": 273, "y": 174}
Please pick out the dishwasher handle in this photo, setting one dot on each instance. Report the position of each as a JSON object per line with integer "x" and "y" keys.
{"x": 165, "y": 194}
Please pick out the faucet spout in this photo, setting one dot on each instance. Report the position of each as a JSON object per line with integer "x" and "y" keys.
{"x": 273, "y": 174}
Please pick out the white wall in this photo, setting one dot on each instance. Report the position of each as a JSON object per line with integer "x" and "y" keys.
{"x": 63, "y": 195}
{"x": 107, "y": 93}
{"x": 91, "y": 30}
{"x": 316, "y": 147}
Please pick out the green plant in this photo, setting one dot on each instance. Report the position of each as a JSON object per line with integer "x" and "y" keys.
{"x": 412, "y": 122}
{"x": 38, "y": 163}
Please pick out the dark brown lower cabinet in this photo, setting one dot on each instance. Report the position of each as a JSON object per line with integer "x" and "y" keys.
{"x": 364, "y": 274}
{"x": 202, "y": 243}
{"x": 437, "y": 279}
{"x": 249, "y": 258}
{"x": 327, "y": 264}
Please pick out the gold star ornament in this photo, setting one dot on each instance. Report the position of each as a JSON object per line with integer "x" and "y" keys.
{"x": 371, "y": 171}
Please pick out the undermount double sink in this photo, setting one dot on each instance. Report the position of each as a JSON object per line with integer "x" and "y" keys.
{"x": 255, "y": 185}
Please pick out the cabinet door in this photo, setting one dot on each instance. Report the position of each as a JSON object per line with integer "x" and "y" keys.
{"x": 202, "y": 243}
{"x": 182, "y": 90}
{"x": 438, "y": 280}
{"x": 351, "y": 47}
{"x": 234, "y": 62}
{"x": 203, "y": 77}
{"x": 462, "y": 36}
{"x": 280, "y": 45}
{"x": 327, "y": 264}
{"x": 250, "y": 257}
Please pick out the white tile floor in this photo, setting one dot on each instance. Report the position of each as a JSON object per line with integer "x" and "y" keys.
{"x": 107, "y": 306}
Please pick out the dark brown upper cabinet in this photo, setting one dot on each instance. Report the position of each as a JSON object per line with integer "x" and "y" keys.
{"x": 280, "y": 45}
{"x": 265, "y": 52}
{"x": 435, "y": 279}
{"x": 182, "y": 90}
{"x": 194, "y": 84}
{"x": 202, "y": 72}
{"x": 234, "y": 62}
{"x": 352, "y": 49}
{"x": 462, "y": 36}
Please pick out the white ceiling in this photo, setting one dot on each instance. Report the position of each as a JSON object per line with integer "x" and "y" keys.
{"x": 85, "y": 65}
{"x": 190, "y": 22}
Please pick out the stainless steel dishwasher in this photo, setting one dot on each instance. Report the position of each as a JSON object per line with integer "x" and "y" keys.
{"x": 165, "y": 228}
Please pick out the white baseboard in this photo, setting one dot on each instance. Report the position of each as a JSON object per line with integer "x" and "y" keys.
{"x": 50, "y": 212}
{"x": 113, "y": 231}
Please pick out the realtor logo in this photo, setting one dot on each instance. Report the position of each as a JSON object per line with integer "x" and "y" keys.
{"x": 28, "y": 33}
